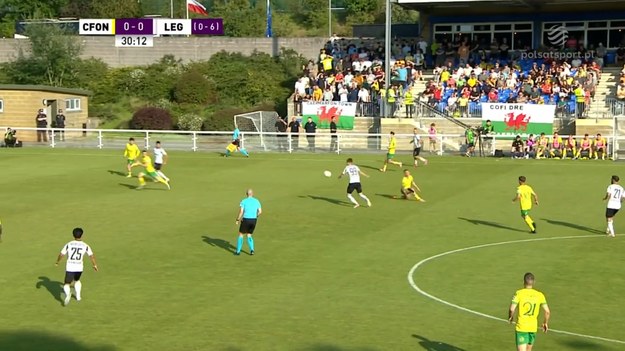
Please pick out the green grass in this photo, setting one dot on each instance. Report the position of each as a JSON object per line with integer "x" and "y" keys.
{"x": 325, "y": 276}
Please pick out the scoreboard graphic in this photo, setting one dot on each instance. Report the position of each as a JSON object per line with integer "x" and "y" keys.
{"x": 140, "y": 32}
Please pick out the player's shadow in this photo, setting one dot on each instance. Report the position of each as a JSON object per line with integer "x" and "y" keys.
{"x": 220, "y": 243}
{"x": 121, "y": 174}
{"x": 326, "y": 199}
{"x": 369, "y": 167}
{"x": 573, "y": 226}
{"x": 388, "y": 196}
{"x": 431, "y": 345}
{"x": 134, "y": 187}
{"x": 582, "y": 345}
{"x": 54, "y": 287}
{"x": 491, "y": 224}
{"x": 24, "y": 340}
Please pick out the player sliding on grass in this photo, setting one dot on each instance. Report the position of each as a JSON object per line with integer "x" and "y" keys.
{"x": 131, "y": 154}
{"x": 234, "y": 147}
{"x": 524, "y": 195}
{"x": 354, "y": 182}
{"x": 146, "y": 161}
{"x": 392, "y": 145}
{"x": 408, "y": 187}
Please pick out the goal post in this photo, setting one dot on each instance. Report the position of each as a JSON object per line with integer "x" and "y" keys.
{"x": 258, "y": 122}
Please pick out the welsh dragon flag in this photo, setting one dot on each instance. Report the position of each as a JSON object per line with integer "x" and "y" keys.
{"x": 510, "y": 120}
{"x": 322, "y": 112}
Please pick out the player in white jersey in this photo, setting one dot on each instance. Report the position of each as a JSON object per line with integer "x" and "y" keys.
{"x": 416, "y": 140}
{"x": 354, "y": 182}
{"x": 614, "y": 195}
{"x": 75, "y": 251}
{"x": 160, "y": 158}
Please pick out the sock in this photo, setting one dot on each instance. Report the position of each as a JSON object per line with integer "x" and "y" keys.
{"x": 611, "y": 227}
{"x": 66, "y": 290}
{"x": 351, "y": 198}
{"x": 596, "y": 154}
{"x": 78, "y": 288}
{"x": 162, "y": 175}
{"x": 384, "y": 168}
{"x": 364, "y": 197}
{"x": 227, "y": 153}
{"x": 244, "y": 153}
{"x": 416, "y": 197}
{"x": 530, "y": 222}
{"x": 239, "y": 243}
{"x": 250, "y": 242}
{"x": 141, "y": 181}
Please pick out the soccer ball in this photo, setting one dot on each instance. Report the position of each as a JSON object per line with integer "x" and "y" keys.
{"x": 327, "y": 174}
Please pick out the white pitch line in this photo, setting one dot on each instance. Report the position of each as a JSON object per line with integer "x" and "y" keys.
{"x": 430, "y": 296}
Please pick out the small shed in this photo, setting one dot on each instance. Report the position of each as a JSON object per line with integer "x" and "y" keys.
{"x": 19, "y": 106}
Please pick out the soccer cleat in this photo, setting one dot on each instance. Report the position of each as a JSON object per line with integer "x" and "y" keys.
{"x": 140, "y": 187}
{"x": 168, "y": 187}
{"x": 252, "y": 252}
{"x": 78, "y": 298}
{"x": 237, "y": 253}
{"x": 401, "y": 165}
{"x": 129, "y": 176}
{"x": 356, "y": 205}
{"x": 368, "y": 203}
{"x": 535, "y": 227}
{"x": 67, "y": 299}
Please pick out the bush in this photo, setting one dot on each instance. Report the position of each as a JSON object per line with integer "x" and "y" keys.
{"x": 222, "y": 119}
{"x": 152, "y": 118}
{"x": 190, "y": 121}
{"x": 193, "y": 88}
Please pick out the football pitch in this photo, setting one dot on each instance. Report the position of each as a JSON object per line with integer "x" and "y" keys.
{"x": 325, "y": 276}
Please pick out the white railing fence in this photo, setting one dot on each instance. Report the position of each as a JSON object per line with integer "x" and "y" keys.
{"x": 216, "y": 141}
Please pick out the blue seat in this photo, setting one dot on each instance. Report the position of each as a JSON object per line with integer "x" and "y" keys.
{"x": 546, "y": 98}
{"x": 610, "y": 58}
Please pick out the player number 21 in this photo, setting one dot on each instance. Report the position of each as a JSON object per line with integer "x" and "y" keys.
{"x": 617, "y": 194}
{"x": 531, "y": 308}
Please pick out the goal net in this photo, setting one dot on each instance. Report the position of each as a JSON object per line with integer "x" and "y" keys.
{"x": 258, "y": 122}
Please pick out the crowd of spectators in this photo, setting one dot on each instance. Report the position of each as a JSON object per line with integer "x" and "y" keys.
{"x": 465, "y": 75}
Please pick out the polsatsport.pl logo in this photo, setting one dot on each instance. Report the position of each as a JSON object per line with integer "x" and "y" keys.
{"x": 557, "y": 36}
{"x": 558, "y": 55}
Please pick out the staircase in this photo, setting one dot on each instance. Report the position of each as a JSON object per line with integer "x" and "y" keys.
{"x": 606, "y": 88}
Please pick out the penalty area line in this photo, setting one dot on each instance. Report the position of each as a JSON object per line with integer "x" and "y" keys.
{"x": 414, "y": 285}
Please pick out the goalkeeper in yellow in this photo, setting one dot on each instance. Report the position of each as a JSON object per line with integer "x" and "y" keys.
{"x": 131, "y": 154}
{"x": 526, "y": 196}
{"x": 150, "y": 171}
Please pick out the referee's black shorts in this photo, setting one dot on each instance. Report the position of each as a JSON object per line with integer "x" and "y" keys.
{"x": 247, "y": 225}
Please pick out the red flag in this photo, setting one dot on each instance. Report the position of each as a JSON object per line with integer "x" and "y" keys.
{"x": 196, "y": 7}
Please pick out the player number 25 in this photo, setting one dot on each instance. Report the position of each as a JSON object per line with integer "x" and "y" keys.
{"x": 76, "y": 254}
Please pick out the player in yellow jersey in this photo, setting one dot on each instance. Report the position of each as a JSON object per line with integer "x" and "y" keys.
{"x": 409, "y": 187}
{"x": 525, "y": 194}
{"x": 392, "y": 145}
{"x": 600, "y": 147}
{"x": 131, "y": 154}
{"x": 150, "y": 171}
{"x": 526, "y": 304}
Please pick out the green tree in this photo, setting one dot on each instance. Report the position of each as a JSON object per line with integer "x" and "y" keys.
{"x": 193, "y": 88}
{"x": 241, "y": 19}
{"x": 116, "y": 8}
{"x": 52, "y": 60}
